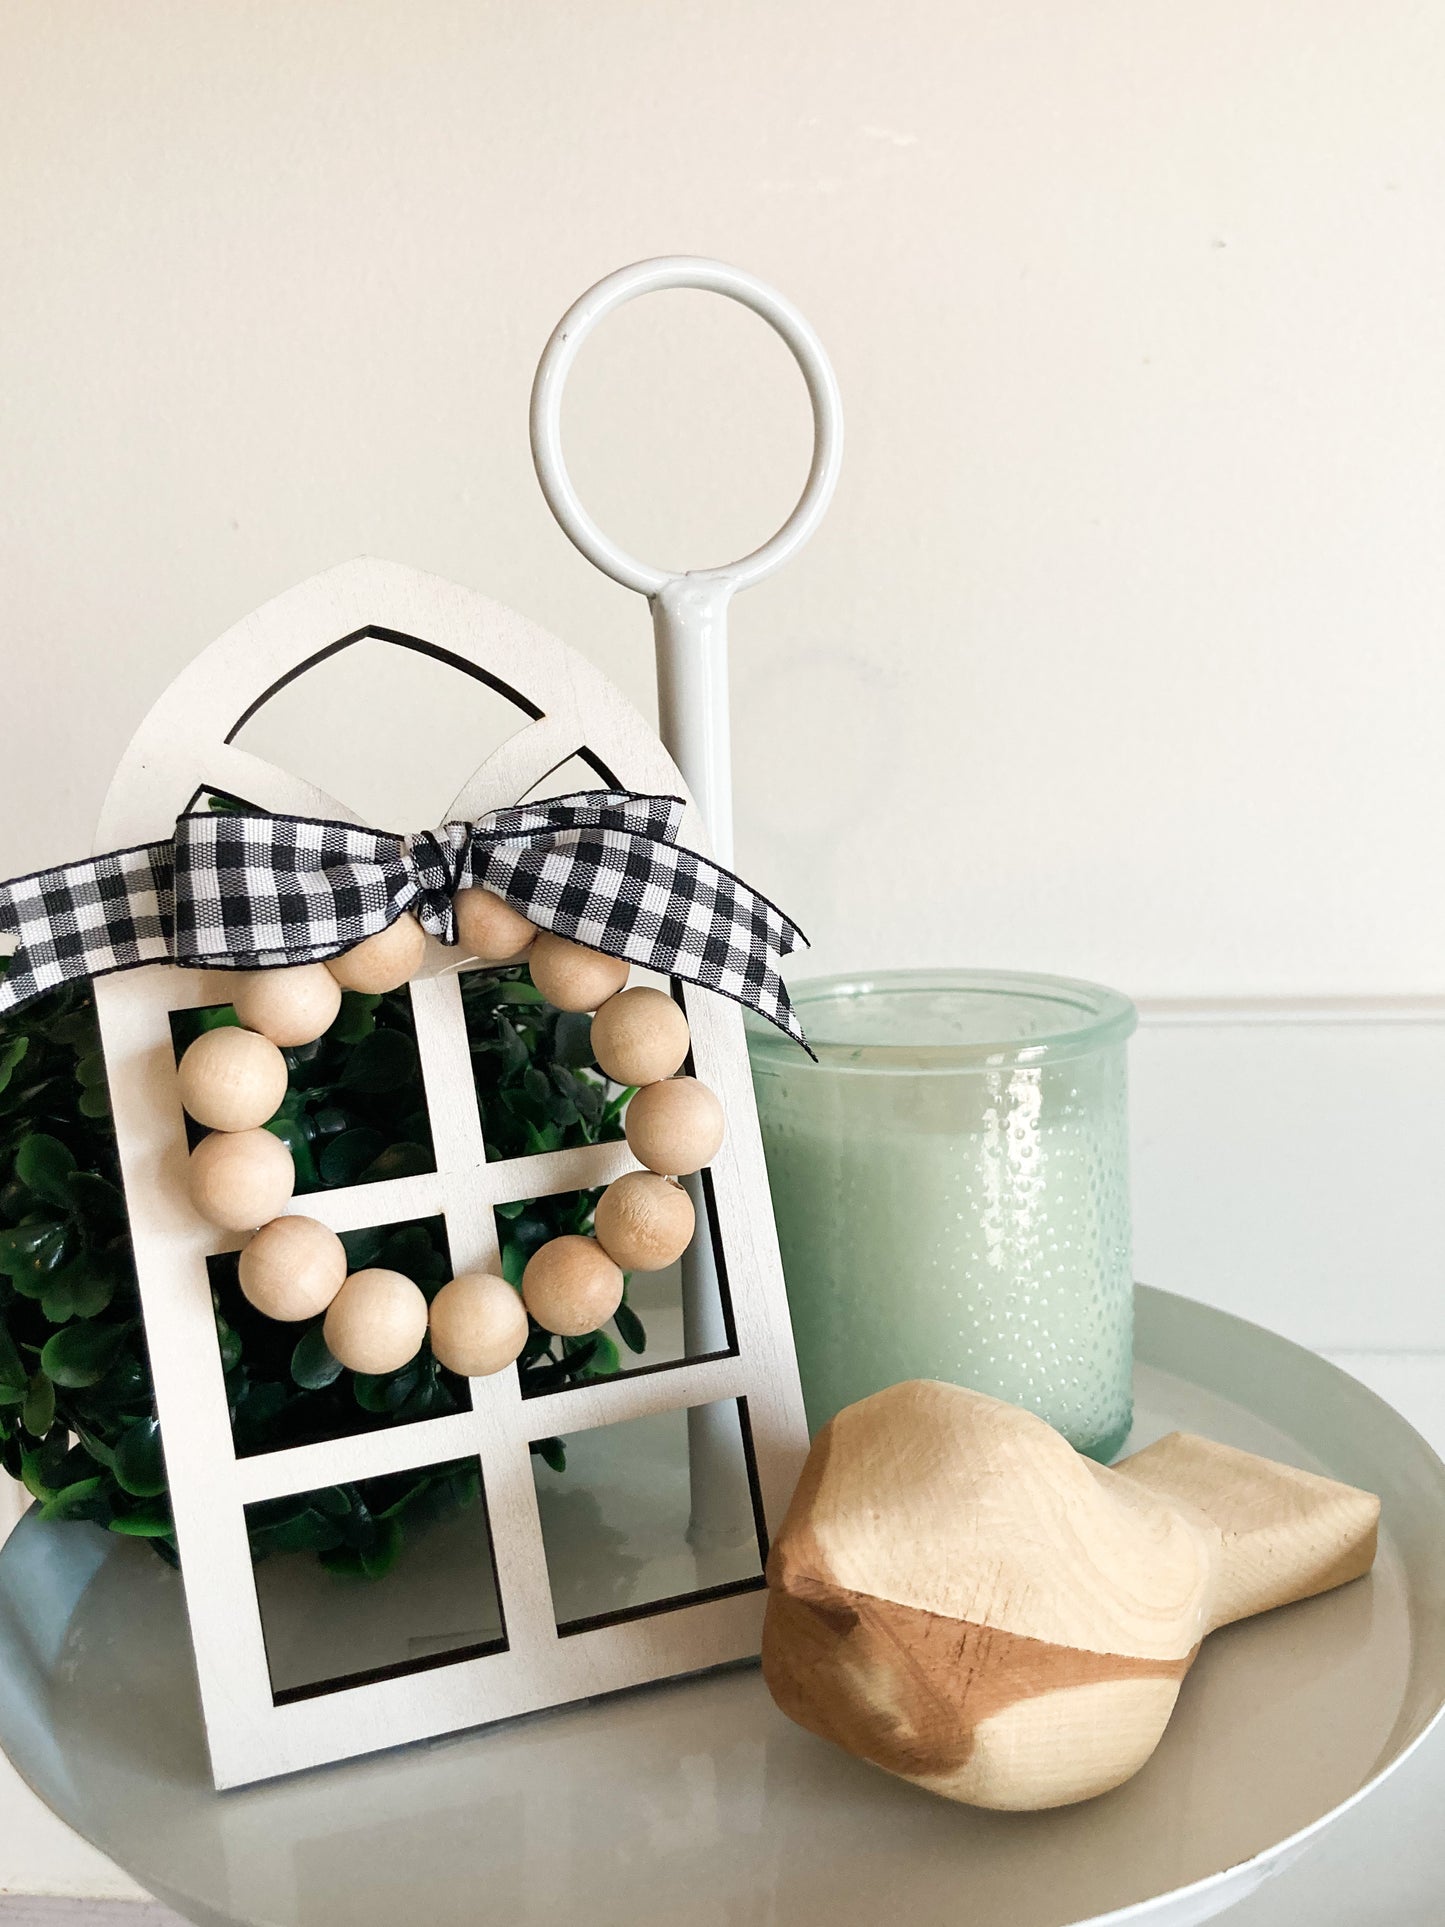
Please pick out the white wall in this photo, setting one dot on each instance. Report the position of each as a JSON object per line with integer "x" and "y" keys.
{"x": 1120, "y": 652}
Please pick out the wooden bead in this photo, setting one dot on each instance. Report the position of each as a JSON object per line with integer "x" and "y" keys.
{"x": 571, "y": 1286}
{"x": 675, "y": 1127}
{"x": 232, "y": 1080}
{"x": 384, "y": 962}
{"x": 572, "y": 977}
{"x": 239, "y": 1179}
{"x": 291, "y": 1006}
{"x": 640, "y": 1036}
{"x": 489, "y": 929}
{"x": 478, "y": 1324}
{"x": 644, "y": 1222}
{"x": 377, "y": 1321}
{"x": 293, "y": 1268}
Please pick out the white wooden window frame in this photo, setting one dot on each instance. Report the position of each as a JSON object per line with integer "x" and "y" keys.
{"x": 185, "y": 748}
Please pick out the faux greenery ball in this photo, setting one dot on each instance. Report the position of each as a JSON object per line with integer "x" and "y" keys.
{"x": 77, "y": 1417}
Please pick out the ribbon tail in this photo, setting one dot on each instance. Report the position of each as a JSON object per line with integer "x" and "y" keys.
{"x": 638, "y": 896}
{"x": 739, "y": 956}
{"x": 87, "y": 919}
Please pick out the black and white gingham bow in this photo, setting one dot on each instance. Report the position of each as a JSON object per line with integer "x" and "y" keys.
{"x": 248, "y": 892}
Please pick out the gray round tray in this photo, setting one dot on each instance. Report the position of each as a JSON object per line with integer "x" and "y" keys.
{"x": 697, "y": 1801}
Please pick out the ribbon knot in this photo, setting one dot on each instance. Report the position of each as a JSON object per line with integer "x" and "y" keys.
{"x": 245, "y": 891}
{"x": 439, "y": 859}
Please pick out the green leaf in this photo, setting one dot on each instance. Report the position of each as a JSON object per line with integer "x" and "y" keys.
{"x": 552, "y": 1452}
{"x": 70, "y": 1501}
{"x": 42, "y": 1470}
{"x": 514, "y": 1263}
{"x": 372, "y": 1560}
{"x": 230, "y": 1343}
{"x": 399, "y": 1161}
{"x": 515, "y": 1054}
{"x": 139, "y": 1467}
{"x": 385, "y": 1061}
{"x": 412, "y": 1249}
{"x": 347, "y": 1156}
{"x": 44, "y": 1163}
{"x": 378, "y": 1559}
{"x": 519, "y": 992}
{"x": 125, "y": 1386}
{"x": 363, "y": 1247}
{"x": 79, "y": 1032}
{"x": 97, "y": 1449}
{"x": 605, "y": 1360}
{"x": 385, "y": 1391}
{"x": 630, "y": 1328}
{"x": 57, "y": 1295}
{"x": 151, "y": 1522}
{"x": 99, "y": 1203}
{"x": 90, "y": 1071}
{"x": 82, "y": 1289}
{"x": 357, "y": 1019}
{"x": 12, "y": 1367}
{"x": 12, "y": 1054}
{"x": 38, "y": 1413}
{"x": 549, "y": 1374}
{"x": 31, "y": 1247}
{"x": 218, "y": 1017}
{"x": 312, "y": 1365}
{"x": 81, "y": 1355}
{"x": 309, "y": 1531}
{"x": 617, "y": 1105}
{"x": 91, "y": 1284}
{"x": 397, "y": 1507}
{"x": 294, "y": 1138}
{"x": 573, "y": 1039}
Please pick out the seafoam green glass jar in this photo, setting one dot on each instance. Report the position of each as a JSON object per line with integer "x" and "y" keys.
{"x": 951, "y": 1184}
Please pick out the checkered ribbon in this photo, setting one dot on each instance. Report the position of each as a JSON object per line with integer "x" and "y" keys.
{"x": 249, "y": 892}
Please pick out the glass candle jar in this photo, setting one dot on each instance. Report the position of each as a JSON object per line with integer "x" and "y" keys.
{"x": 951, "y": 1187}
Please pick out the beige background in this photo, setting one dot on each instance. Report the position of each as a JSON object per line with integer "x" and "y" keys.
{"x": 1120, "y": 653}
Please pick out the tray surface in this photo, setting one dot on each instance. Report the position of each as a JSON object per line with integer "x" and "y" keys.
{"x": 698, "y": 1801}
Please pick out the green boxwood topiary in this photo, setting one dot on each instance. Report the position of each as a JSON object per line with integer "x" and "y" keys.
{"x": 77, "y": 1417}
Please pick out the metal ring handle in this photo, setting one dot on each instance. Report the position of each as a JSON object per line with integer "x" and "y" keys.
{"x": 713, "y": 277}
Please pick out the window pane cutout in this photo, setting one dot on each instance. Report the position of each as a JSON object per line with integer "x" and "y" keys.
{"x": 256, "y": 1728}
{"x": 648, "y": 1333}
{"x": 337, "y": 1404}
{"x": 349, "y": 1596}
{"x": 378, "y": 724}
{"x": 355, "y": 1108}
{"x": 616, "y": 1521}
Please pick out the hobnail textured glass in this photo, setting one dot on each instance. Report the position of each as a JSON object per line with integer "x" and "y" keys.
{"x": 951, "y": 1187}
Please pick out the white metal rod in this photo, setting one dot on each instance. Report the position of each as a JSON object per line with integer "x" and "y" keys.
{"x": 689, "y": 618}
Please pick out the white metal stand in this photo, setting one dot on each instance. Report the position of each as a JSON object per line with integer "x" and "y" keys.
{"x": 689, "y": 617}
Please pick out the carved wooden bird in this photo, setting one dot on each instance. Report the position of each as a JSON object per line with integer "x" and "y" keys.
{"x": 959, "y": 1597}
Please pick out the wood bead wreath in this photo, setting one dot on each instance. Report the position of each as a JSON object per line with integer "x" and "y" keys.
{"x": 233, "y": 1081}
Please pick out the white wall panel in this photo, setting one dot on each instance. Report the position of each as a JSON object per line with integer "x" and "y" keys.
{"x": 1293, "y": 1171}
